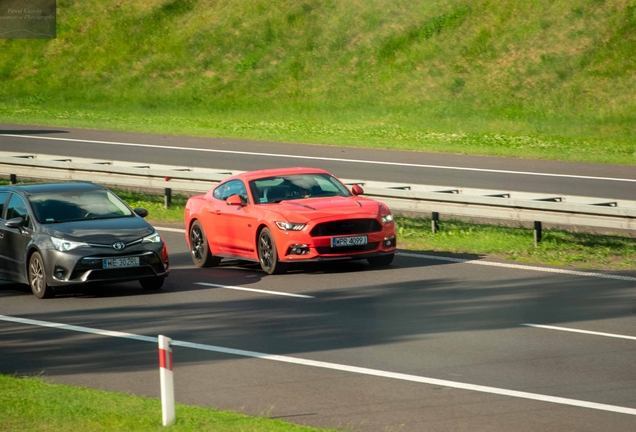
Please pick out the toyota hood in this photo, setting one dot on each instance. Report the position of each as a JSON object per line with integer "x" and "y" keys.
{"x": 105, "y": 231}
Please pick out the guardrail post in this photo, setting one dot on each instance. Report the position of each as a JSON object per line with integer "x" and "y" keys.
{"x": 13, "y": 179}
{"x": 435, "y": 222}
{"x": 167, "y": 380}
{"x": 537, "y": 233}
{"x": 167, "y": 197}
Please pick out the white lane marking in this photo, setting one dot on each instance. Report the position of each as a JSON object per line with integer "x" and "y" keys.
{"x": 325, "y": 158}
{"x": 337, "y": 367}
{"x": 253, "y": 290}
{"x": 566, "y": 329}
{"x": 177, "y": 230}
{"x": 521, "y": 267}
{"x": 79, "y": 329}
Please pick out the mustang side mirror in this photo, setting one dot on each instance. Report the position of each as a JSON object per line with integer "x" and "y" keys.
{"x": 357, "y": 189}
{"x": 234, "y": 200}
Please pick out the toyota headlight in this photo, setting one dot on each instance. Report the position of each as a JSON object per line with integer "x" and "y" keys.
{"x": 67, "y": 245}
{"x": 152, "y": 238}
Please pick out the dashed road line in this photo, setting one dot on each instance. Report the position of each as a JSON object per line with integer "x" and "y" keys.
{"x": 253, "y": 290}
{"x": 588, "y": 332}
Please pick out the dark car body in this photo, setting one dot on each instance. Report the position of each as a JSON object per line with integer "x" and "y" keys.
{"x": 58, "y": 235}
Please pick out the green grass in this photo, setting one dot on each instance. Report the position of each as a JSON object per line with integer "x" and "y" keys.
{"x": 34, "y": 405}
{"x": 542, "y": 79}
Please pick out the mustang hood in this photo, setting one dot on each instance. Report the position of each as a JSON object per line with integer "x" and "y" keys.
{"x": 105, "y": 231}
{"x": 317, "y": 208}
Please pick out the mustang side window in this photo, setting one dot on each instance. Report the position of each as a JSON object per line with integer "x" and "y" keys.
{"x": 234, "y": 187}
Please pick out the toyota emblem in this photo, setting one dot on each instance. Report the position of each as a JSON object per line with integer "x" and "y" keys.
{"x": 119, "y": 245}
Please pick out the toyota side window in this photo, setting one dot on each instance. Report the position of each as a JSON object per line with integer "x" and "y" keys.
{"x": 17, "y": 208}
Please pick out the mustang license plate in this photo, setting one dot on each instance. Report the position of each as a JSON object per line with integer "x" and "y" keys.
{"x": 348, "y": 241}
{"x": 121, "y": 262}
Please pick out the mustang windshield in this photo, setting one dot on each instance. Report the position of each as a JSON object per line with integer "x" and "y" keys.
{"x": 78, "y": 205}
{"x": 296, "y": 186}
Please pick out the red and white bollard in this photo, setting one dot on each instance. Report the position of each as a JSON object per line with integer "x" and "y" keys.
{"x": 167, "y": 380}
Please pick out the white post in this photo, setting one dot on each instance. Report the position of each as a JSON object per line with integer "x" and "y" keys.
{"x": 167, "y": 380}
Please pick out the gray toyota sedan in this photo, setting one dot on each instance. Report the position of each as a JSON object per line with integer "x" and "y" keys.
{"x": 59, "y": 235}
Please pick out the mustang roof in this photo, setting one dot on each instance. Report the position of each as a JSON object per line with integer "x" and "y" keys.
{"x": 252, "y": 175}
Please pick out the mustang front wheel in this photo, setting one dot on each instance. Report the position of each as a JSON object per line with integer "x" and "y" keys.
{"x": 267, "y": 255}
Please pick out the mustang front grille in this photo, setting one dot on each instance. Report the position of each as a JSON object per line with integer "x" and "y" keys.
{"x": 346, "y": 227}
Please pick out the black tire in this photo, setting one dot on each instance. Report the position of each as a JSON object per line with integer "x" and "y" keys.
{"x": 199, "y": 248}
{"x": 381, "y": 261}
{"x": 267, "y": 254}
{"x": 152, "y": 283}
{"x": 37, "y": 277}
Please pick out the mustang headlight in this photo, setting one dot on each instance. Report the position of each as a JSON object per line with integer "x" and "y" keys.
{"x": 290, "y": 226}
{"x": 67, "y": 245}
{"x": 152, "y": 238}
{"x": 385, "y": 214}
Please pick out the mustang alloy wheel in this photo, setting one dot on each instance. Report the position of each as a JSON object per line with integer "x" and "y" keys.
{"x": 267, "y": 255}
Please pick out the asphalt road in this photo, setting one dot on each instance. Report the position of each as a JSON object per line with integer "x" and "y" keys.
{"x": 521, "y": 175}
{"x": 428, "y": 344}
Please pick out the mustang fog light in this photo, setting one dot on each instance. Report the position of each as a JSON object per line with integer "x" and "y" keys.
{"x": 389, "y": 241}
{"x": 298, "y": 249}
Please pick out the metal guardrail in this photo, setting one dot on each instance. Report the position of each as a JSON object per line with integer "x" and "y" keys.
{"x": 401, "y": 198}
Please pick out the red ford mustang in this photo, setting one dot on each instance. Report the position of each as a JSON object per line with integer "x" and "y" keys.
{"x": 279, "y": 216}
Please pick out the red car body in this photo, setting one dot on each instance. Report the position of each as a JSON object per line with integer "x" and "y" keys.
{"x": 281, "y": 216}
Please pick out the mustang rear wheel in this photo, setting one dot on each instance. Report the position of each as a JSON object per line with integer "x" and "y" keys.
{"x": 200, "y": 249}
{"x": 37, "y": 277}
{"x": 380, "y": 261}
{"x": 267, "y": 255}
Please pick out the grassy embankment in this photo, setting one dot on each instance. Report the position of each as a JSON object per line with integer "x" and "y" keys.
{"x": 541, "y": 79}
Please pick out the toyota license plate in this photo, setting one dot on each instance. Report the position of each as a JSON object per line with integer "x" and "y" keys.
{"x": 348, "y": 241}
{"x": 121, "y": 262}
